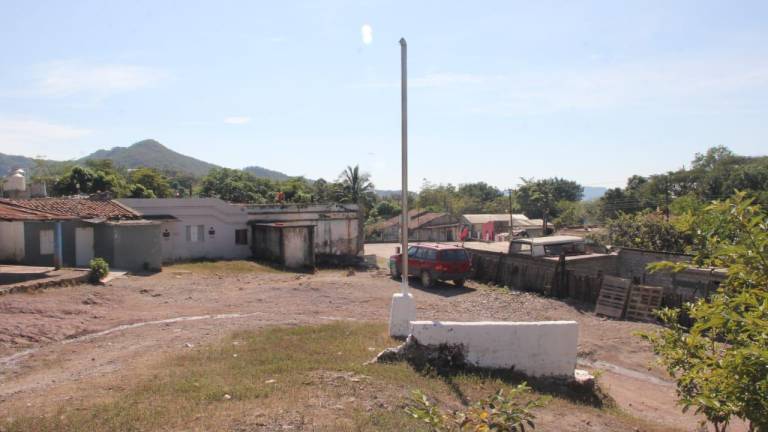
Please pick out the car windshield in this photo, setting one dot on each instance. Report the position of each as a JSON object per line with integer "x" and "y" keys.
{"x": 453, "y": 255}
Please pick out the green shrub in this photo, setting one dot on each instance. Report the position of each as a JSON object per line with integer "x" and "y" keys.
{"x": 99, "y": 269}
{"x": 500, "y": 412}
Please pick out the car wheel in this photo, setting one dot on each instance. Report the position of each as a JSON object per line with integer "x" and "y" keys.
{"x": 393, "y": 272}
{"x": 458, "y": 282}
{"x": 426, "y": 279}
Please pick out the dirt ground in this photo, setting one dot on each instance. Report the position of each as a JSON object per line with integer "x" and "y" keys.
{"x": 80, "y": 343}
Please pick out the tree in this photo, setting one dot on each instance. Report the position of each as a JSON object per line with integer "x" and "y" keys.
{"x": 646, "y": 230}
{"x": 77, "y": 181}
{"x": 139, "y": 191}
{"x": 538, "y": 198}
{"x": 357, "y": 187}
{"x": 236, "y": 186}
{"x": 152, "y": 180}
{"x": 720, "y": 364}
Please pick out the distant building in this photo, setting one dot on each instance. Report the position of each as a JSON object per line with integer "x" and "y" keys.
{"x": 493, "y": 227}
{"x": 422, "y": 226}
{"x": 209, "y": 228}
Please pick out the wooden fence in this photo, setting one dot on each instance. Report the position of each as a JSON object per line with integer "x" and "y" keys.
{"x": 548, "y": 277}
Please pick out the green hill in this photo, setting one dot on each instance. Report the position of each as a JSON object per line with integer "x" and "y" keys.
{"x": 260, "y": 172}
{"x": 152, "y": 154}
{"x": 146, "y": 153}
{"x": 9, "y": 162}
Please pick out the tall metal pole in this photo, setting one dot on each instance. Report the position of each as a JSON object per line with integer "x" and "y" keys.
{"x": 404, "y": 150}
{"x": 511, "y": 220}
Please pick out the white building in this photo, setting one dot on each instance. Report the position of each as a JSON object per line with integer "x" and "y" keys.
{"x": 197, "y": 228}
{"x": 209, "y": 228}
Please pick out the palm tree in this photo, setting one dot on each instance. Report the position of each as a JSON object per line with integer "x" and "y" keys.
{"x": 357, "y": 186}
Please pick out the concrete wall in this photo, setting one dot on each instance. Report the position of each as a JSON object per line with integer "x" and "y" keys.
{"x": 212, "y": 213}
{"x": 136, "y": 247}
{"x": 687, "y": 285}
{"x": 290, "y": 246}
{"x": 298, "y": 251}
{"x": 32, "y": 252}
{"x": 267, "y": 243}
{"x": 546, "y": 348}
{"x": 11, "y": 241}
{"x": 338, "y": 234}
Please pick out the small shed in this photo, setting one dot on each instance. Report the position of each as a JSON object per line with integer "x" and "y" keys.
{"x": 289, "y": 244}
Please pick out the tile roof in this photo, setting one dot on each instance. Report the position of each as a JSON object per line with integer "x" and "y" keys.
{"x": 84, "y": 208}
{"x": 417, "y": 219}
{"x": 11, "y": 212}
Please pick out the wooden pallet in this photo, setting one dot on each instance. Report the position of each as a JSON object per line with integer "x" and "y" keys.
{"x": 643, "y": 300}
{"x": 613, "y": 297}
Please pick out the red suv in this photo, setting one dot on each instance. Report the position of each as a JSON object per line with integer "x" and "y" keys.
{"x": 434, "y": 261}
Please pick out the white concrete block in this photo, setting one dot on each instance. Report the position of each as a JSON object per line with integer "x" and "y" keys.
{"x": 544, "y": 348}
{"x": 401, "y": 314}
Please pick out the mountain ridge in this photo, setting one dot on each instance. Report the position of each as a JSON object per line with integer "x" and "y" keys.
{"x": 145, "y": 153}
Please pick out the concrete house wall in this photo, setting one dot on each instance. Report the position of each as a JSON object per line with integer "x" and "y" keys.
{"x": 33, "y": 255}
{"x": 338, "y": 234}
{"x": 214, "y": 215}
{"x": 11, "y": 241}
{"x": 136, "y": 247}
{"x": 290, "y": 246}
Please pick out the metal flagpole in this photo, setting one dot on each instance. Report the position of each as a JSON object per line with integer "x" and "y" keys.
{"x": 404, "y": 190}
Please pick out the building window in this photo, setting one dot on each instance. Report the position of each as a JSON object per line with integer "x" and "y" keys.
{"x": 241, "y": 236}
{"x": 46, "y": 242}
{"x": 195, "y": 233}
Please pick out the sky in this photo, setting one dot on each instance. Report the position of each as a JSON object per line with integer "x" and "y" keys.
{"x": 592, "y": 91}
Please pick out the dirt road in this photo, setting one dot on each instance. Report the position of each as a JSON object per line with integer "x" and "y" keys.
{"x": 82, "y": 342}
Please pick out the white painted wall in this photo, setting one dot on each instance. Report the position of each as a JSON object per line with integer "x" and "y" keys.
{"x": 544, "y": 348}
{"x": 214, "y": 213}
{"x": 11, "y": 241}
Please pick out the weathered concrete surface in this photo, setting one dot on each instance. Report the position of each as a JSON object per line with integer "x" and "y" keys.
{"x": 544, "y": 348}
{"x": 401, "y": 314}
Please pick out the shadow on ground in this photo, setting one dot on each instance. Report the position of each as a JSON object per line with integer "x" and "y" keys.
{"x": 440, "y": 288}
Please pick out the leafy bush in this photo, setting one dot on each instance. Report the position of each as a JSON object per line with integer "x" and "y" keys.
{"x": 720, "y": 363}
{"x": 646, "y": 230}
{"x": 99, "y": 269}
{"x": 498, "y": 413}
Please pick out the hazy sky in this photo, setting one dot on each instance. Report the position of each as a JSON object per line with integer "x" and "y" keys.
{"x": 591, "y": 91}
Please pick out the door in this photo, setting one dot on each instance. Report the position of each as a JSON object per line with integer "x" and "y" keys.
{"x": 83, "y": 246}
{"x": 413, "y": 260}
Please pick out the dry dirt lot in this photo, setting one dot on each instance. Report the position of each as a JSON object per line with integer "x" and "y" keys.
{"x": 80, "y": 344}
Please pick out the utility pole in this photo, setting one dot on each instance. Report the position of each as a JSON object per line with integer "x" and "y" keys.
{"x": 404, "y": 157}
{"x": 403, "y": 309}
{"x": 511, "y": 219}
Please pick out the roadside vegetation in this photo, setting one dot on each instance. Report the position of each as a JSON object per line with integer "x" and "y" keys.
{"x": 310, "y": 377}
{"x": 720, "y": 363}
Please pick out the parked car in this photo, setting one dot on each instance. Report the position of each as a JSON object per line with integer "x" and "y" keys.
{"x": 432, "y": 262}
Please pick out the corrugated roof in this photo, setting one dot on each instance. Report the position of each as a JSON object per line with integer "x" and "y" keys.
{"x": 77, "y": 207}
{"x": 518, "y": 219}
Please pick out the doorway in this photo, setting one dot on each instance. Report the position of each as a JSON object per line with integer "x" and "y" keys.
{"x": 83, "y": 246}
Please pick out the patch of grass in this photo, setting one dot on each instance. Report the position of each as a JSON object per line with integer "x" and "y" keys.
{"x": 309, "y": 377}
{"x": 223, "y": 267}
